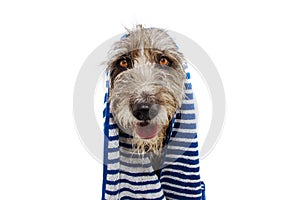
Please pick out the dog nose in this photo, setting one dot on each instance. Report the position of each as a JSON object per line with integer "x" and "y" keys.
{"x": 143, "y": 111}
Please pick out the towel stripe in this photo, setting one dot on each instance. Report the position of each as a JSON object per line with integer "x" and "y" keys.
{"x": 185, "y": 125}
{"x": 187, "y": 107}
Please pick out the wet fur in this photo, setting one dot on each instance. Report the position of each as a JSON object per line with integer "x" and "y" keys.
{"x": 144, "y": 80}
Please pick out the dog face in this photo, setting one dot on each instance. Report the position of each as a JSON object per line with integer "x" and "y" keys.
{"x": 147, "y": 85}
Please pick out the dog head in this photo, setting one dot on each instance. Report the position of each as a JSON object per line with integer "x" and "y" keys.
{"x": 146, "y": 85}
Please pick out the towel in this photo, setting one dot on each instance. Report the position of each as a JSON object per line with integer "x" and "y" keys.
{"x": 131, "y": 176}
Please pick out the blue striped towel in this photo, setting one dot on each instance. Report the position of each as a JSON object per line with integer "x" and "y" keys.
{"x": 131, "y": 176}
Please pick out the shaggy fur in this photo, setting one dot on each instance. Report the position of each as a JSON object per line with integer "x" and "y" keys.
{"x": 145, "y": 80}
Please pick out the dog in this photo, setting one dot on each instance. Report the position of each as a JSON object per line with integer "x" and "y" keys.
{"x": 147, "y": 76}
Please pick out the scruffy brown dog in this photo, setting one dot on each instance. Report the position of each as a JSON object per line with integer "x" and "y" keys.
{"x": 146, "y": 86}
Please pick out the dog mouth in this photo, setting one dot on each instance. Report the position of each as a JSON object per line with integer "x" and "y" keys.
{"x": 146, "y": 130}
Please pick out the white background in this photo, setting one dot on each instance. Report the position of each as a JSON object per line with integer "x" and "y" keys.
{"x": 254, "y": 44}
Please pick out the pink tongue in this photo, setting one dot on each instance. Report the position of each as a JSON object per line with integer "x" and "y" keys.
{"x": 146, "y": 131}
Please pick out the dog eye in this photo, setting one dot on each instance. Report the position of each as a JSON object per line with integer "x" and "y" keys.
{"x": 123, "y": 62}
{"x": 164, "y": 61}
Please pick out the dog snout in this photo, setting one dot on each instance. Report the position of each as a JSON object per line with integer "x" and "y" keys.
{"x": 144, "y": 111}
